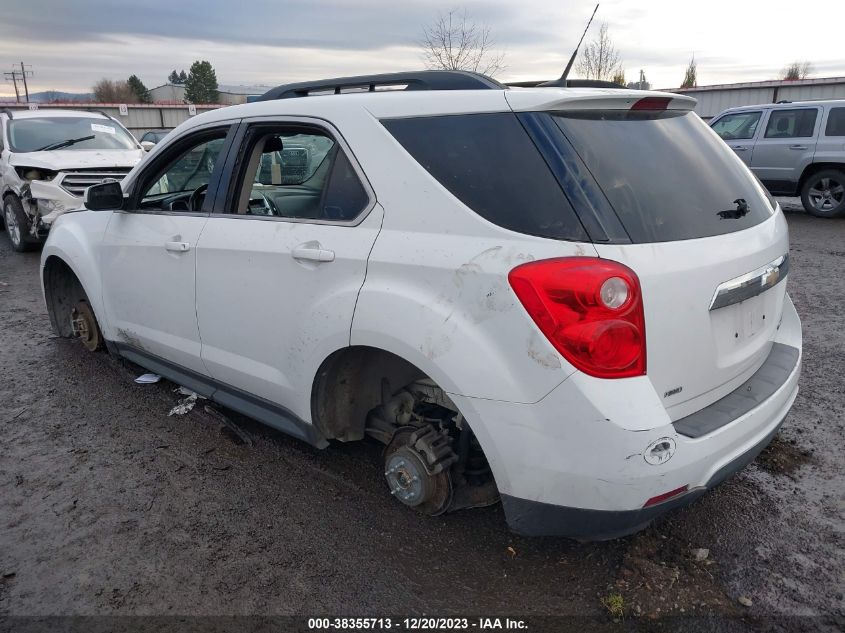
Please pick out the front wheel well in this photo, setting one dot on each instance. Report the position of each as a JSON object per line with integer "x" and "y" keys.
{"x": 62, "y": 292}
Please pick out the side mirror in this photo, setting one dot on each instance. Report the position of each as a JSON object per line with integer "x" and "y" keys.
{"x": 106, "y": 196}
{"x": 147, "y": 145}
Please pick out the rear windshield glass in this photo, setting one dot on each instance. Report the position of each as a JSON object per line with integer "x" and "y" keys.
{"x": 491, "y": 165}
{"x": 67, "y": 133}
{"x": 667, "y": 176}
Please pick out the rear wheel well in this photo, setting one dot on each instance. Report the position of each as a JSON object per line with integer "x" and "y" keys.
{"x": 815, "y": 168}
{"x": 350, "y": 383}
{"x": 62, "y": 291}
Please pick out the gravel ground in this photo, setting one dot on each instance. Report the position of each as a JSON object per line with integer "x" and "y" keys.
{"x": 108, "y": 506}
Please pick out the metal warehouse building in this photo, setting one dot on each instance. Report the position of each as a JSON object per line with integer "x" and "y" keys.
{"x": 714, "y": 99}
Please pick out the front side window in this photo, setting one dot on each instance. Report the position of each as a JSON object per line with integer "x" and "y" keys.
{"x": 68, "y": 133}
{"x": 835, "y": 122}
{"x": 791, "y": 123}
{"x": 300, "y": 174}
{"x": 180, "y": 183}
{"x": 739, "y": 125}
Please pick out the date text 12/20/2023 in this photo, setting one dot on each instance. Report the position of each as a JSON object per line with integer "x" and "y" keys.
{"x": 417, "y": 624}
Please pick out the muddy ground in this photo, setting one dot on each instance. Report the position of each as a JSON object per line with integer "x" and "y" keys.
{"x": 110, "y": 507}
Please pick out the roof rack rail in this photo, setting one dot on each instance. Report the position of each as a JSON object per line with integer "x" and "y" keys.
{"x": 567, "y": 83}
{"x": 8, "y": 113}
{"x": 419, "y": 80}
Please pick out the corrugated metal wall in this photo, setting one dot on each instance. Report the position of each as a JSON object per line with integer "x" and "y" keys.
{"x": 139, "y": 119}
{"x": 713, "y": 101}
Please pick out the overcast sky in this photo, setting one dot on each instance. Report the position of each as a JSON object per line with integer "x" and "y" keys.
{"x": 73, "y": 43}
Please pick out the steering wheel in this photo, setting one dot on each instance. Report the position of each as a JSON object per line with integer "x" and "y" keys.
{"x": 197, "y": 197}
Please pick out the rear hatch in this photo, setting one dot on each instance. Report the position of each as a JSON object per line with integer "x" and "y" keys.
{"x": 692, "y": 221}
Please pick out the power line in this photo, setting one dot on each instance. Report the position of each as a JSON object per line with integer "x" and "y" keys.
{"x": 14, "y": 75}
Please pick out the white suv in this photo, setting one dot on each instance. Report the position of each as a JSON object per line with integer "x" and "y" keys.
{"x": 48, "y": 158}
{"x": 571, "y": 299}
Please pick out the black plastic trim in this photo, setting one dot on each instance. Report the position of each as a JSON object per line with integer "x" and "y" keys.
{"x": 255, "y": 407}
{"x": 534, "y": 518}
{"x": 420, "y": 80}
{"x": 771, "y": 376}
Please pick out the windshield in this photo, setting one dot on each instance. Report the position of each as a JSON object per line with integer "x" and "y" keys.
{"x": 32, "y": 135}
{"x": 667, "y": 176}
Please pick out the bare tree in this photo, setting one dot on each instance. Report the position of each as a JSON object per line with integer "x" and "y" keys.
{"x": 796, "y": 70}
{"x": 600, "y": 60}
{"x": 108, "y": 91}
{"x": 454, "y": 41}
{"x": 691, "y": 76}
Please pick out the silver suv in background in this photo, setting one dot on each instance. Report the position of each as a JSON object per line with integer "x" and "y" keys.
{"x": 794, "y": 148}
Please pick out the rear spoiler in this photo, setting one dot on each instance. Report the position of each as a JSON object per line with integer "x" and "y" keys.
{"x": 600, "y": 99}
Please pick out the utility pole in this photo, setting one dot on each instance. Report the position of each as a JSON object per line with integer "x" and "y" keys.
{"x": 23, "y": 75}
{"x": 14, "y": 77}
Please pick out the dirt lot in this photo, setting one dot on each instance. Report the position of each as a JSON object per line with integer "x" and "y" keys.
{"x": 108, "y": 506}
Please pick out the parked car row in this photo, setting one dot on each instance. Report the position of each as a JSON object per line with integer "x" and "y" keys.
{"x": 569, "y": 299}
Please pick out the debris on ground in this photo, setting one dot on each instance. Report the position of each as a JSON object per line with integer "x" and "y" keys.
{"x": 700, "y": 554}
{"x": 187, "y": 403}
{"x": 658, "y": 578}
{"x": 745, "y": 601}
{"x": 148, "y": 379}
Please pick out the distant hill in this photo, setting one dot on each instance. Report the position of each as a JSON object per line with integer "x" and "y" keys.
{"x": 47, "y": 96}
{"x": 56, "y": 95}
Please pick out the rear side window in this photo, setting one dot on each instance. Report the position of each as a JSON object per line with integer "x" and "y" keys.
{"x": 740, "y": 125}
{"x": 491, "y": 165}
{"x": 835, "y": 122}
{"x": 666, "y": 176}
{"x": 791, "y": 123}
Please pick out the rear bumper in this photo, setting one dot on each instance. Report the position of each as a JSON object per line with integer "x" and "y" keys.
{"x": 574, "y": 464}
{"x": 533, "y": 518}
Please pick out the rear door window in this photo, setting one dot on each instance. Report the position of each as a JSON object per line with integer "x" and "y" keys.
{"x": 490, "y": 164}
{"x": 835, "y": 122}
{"x": 739, "y": 125}
{"x": 791, "y": 123}
{"x": 665, "y": 175}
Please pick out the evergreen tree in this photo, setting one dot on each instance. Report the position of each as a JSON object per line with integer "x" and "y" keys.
{"x": 201, "y": 84}
{"x": 691, "y": 76}
{"x": 137, "y": 86}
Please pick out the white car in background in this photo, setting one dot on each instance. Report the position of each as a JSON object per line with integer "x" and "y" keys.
{"x": 48, "y": 158}
{"x": 572, "y": 299}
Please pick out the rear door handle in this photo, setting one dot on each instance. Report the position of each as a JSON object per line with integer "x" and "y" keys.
{"x": 740, "y": 148}
{"x": 797, "y": 147}
{"x": 313, "y": 253}
{"x": 177, "y": 247}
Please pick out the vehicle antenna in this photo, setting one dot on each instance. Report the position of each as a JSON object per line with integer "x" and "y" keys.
{"x": 575, "y": 52}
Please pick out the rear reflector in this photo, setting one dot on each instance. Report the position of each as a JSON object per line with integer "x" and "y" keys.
{"x": 666, "y": 495}
{"x": 652, "y": 103}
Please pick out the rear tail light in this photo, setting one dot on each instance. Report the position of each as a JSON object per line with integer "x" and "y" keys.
{"x": 591, "y": 311}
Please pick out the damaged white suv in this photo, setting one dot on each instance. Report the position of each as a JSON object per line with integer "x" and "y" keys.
{"x": 569, "y": 299}
{"x": 48, "y": 158}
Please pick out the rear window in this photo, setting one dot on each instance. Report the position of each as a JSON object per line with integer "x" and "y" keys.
{"x": 491, "y": 165}
{"x": 667, "y": 176}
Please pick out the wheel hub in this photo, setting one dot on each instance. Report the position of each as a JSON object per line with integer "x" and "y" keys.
{"x": 406, "y": 477}
{"x": 12, "y": 225}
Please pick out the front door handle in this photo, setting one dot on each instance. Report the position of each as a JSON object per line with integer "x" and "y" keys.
{"x": 797, "y": 147}
{"x": 177, "y": 247}
{"x": 312, "y": 252}
{"x": 740, "y": 148}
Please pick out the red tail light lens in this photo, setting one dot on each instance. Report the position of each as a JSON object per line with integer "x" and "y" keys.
{"x": 651, "y": 103}
{"x": 590, "y": 309}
